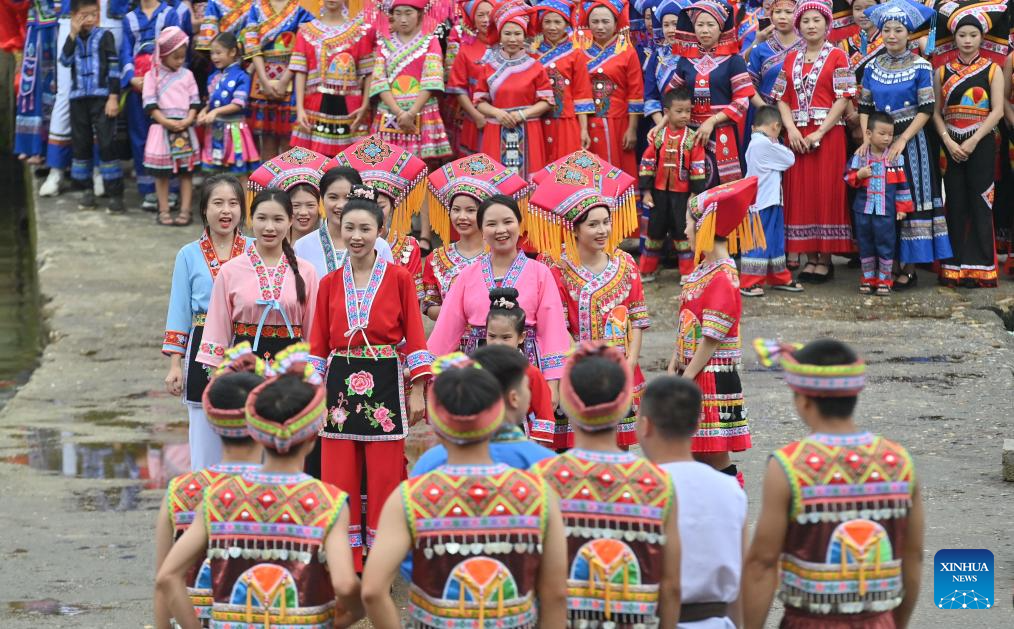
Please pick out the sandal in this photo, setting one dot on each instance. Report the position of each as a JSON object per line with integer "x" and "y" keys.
{"x": 883, "y": 290}
{"x": 792, "y": 263}
{"x": 791, "y": 287}
{"x": 911, "y": 281}
{"x": 753, "y": 291}
{"x": 865, "y": 289}
{"x": 183, "y": 219}
{"x": 164, "y": 218}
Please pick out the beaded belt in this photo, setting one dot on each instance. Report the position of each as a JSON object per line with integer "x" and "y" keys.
{"x": 267, "y": 331}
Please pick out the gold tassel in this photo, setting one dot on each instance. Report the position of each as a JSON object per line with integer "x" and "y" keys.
{"x": 250, "y": 194}
{"x": 705, "y": 240}
{"x": 401, "y": 221}
{"x": 320, "y": 208}
{"x": 354, "y": 6}
{"x": 440, "y": 219}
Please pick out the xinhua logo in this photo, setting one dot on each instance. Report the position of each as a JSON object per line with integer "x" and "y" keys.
{"x": 963, "y": 579}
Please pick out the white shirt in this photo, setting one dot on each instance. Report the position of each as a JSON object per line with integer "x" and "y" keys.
{"x": 311, "y": 249}
{"x": 712, "y": 514}
{"x": 767, "y": 160}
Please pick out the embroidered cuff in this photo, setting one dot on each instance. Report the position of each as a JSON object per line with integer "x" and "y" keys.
{"x": 175, "y": 342}
{"x": 552, "y": 365}
{"x": 716, "y": 324}
{"x": 419, "y": 362}
{"x": 584, "y": 106}
{"x": 319, "y": 365}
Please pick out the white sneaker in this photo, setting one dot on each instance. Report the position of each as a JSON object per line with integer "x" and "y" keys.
{"x": 98, "y": 185}
{"x": 51, "y": 186}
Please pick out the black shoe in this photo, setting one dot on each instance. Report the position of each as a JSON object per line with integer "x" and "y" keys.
{"x": 913, "y": 280}
{"x": 116, "y": 206}
{"x": 823, "y": 278}
{"x": 87, "y": 201}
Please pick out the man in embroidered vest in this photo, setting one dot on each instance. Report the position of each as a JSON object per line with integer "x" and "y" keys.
{"x": 619, "y": 509}
{"x": 840, "y": 533}
{"x": 277, "y": 539}
{"x": 486, "y": 539}
{"x": 712, "y": 513}
{"x": 224, "y": 403}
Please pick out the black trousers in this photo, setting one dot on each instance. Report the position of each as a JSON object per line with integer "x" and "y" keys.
{"x": 970, "y": 188}
{"x": 91, "y": 127}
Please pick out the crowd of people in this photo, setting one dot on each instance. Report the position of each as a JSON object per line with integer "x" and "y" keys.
{"x": 221, "y": 86}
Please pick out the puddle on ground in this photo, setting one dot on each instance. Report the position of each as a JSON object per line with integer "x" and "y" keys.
{"x": 935, "y": 358}
{"x": 151, "y": 462}
{"x": 941, "y": 381}
{"x": 45, "y": 607}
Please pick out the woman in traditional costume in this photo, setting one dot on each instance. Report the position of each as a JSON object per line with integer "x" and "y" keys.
{"x": 197, "y": 265}
{"x": 662, "y": 59}
{"x": 37, "y": 88}
{"x": 766, "y": 56}
{"x": 812, "y": 91}
{"x": 364, "y": 311}
{"x": 513, "y": 93}
{"x": 969, "y": 104}
{"x": 708, "y": 348}
{"x": 269, "y": 36}
{"x": 456, "y": 191}
{"x": 266, "y": 295}
{"x": 566, "y": 124}
{"x": 711, "y": 68}
{"x": 617, "y": 84}
{"x": 467, "y": 48}
{"x": 462, "y": 321}
{"x": 599, "y": 284}
{"x": 900, "y": 83}
{"x": 332, "y": 61}
{"x": 400, "y": 179}
{"x": 220, "y": 16}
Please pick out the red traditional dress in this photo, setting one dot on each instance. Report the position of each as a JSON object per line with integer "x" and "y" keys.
{"x": 514, "y": 84}
{"x": 466, "y": 53}
{"x": 710, "y": 305}
{"x": 816, "y": 217}
{"x": 404, "y": 69}
{"x": 183, "y": 496}
{"x": 572, "y": 95}
{"x": 441, "y": 268}
{"x": 266, "y": 535}
{"x": 617, "y": 91}
{"x": 335, "y": 60}
{"x": 406, "y": 253}
{"x": 604, "y": 307}
{"x": 354, "y": 343}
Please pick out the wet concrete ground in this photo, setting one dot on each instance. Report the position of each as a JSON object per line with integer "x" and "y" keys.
{"x": 87, "y": 444}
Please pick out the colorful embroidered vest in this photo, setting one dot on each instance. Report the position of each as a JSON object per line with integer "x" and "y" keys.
{"x": 477, "y": 543}
{"x": 266, "y": 547}
{"x": 183, "y": 496}
{"x": 850, "y": 500}
{"x": 614, "y": 506}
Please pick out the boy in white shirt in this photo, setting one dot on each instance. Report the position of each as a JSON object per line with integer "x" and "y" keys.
{"x": 767, "y": 159}
{"x": 711, "y": 506}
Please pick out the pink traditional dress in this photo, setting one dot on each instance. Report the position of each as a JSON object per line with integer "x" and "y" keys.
{"x": 467, "y": 303}
{"x": 335, "y": 59}
{"x": 404, "y": 69}
{"x": 251, "y": 302}
{"x": 174, "y": 93}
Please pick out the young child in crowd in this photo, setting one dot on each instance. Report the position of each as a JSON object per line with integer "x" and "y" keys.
{"x": 90, "y": 53}
{"x": 767, "y": 159}
{"x": 672, "y": 169}
{"x": 841, "y": 504}
{"x": 505, "y": 325}
{"x": 712, "y": 506}
{"x": 228, "y": 144}
{"x": 882, "y": 198}
{"x": 171, "y": 98}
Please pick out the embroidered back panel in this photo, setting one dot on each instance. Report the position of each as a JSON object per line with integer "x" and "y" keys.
{"x": 851, "y": 495}
{"x": 477, "y": 536}
{"x": 183, "y": 496}
{"x": 266, "y": 547}
{"x": 614, "y": 506}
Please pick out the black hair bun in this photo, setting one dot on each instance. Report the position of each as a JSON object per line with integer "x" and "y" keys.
{"x": 506, "y": 298}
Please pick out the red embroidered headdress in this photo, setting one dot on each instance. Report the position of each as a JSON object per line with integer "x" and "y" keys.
{"x": 724, "y": 211}
{"x": 478, "y": 176}
{"x": 295, "y": 166}
{"x": 462, "y": 429}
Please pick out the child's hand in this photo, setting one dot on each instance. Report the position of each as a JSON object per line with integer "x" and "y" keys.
{"x": 647, "y": 199}
{"x": 76, "y": 22}
{"x": 112, "y": 106}
{"x": 900, "y": 216}
{"x": 210, "y": 116}
{"x": 303, "y": 119}
{"x": 864, "y": 173}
